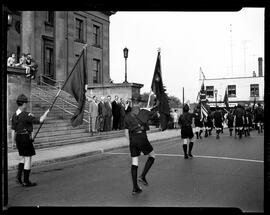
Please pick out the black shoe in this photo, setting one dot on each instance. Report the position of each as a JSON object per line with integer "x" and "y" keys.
{"x": 186, "y": 156}
{"x": 29, "y": 184}
{"x": 136, "y": 191}
{"x": 143, "y": 181}
{"x": 190, "y": 155}
{"x": 19, "y": 181}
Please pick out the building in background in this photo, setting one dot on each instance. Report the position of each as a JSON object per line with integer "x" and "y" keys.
{"x": 239, "y": 89}
{"x": 55, "y": 40}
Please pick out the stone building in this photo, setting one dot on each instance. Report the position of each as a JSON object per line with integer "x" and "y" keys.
{"x": 55, "y": 40}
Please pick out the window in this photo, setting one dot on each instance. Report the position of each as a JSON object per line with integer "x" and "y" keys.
{"x": 50, "y": 17}
{"x": 96, "y": 35}
{"x": 231, "y": 90}
{"x": 254, "y": 90}
{"x": 49, "y": 62}
{"x": 210, "y": 91}
{"x": 96, "y": 71}
{"x": 79, "y": 30}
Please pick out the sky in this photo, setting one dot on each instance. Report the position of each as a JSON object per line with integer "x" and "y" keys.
{"x": 222, "y": 44}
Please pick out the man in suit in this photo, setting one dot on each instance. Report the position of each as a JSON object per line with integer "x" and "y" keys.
{"x": 108, "y": 114}
{"x": 93, "y": 109}
{"x": 101, "y": 113}
{"x": 116, "y": 113}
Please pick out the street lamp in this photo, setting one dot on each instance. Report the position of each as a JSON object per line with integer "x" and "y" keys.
{"x": 125, "y": 50}
{"x": 216, "y": 96}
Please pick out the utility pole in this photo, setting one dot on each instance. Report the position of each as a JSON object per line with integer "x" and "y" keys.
{"x": 183, "y": 100}
{"x": 231, "y": 49}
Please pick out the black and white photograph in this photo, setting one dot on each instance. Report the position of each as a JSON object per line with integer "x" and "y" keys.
{"x": 134, "y": 109}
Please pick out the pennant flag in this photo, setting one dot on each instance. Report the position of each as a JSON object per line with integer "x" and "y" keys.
{"x": 76, "y": 86}
{"x": 162, "y": 98}
{"x": 226, "y": 99}
{"x": 201, "y": 94}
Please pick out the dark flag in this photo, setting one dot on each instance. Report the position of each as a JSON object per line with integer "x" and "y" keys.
{"x": 254, "y": 102}
{"x": 226, "y": 100}
{"x": 162, "y": 98}
{"x": 75, "y": 86}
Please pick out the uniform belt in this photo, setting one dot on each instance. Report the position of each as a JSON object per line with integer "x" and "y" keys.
{"x": 136, "y": 132}
{"x": 25, "y": 132}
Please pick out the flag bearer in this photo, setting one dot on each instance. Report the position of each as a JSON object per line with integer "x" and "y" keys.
{"x": 259, "y": 118}
{"x": 198, "y": 123}
{"x": 186, "y": 120}
{"x": 239, "y": 120}
{"x": 230, "y": 119}
{"x": 22, "y": 127}
{"x": 218, "y": 119}
{"x": 135, "y": 132}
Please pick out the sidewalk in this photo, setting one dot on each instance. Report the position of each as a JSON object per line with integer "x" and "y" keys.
{"x": 67, "y": 152}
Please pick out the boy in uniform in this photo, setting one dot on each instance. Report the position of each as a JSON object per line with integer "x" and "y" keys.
{"x": 22, "y": 127}
{"x": 135, "y": 132}
{"x": 186, "y": 120}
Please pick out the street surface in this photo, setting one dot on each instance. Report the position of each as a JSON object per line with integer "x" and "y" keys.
{"x": 228, "y": 172}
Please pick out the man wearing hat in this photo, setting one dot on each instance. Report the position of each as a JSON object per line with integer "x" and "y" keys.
{"x": 186, "y": 120}
{"x": 22, "y": 128}
{"x": 135, "y": 130}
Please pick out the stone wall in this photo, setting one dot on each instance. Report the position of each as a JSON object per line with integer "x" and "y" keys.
{"x": 125, "y": 91}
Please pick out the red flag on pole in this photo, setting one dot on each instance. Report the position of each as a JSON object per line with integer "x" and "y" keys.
{"x": 158, "y": 88}
{"x": 76, "y": 86}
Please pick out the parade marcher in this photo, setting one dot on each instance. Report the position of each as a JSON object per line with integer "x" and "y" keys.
{"x": 259, "y": 118}
{"x": 239, "y": 120}
{"x": 230, "y": 120}
{"x": 135, "y": 132}
{"x": 218, "y": 120}
{"x": 208, "y": 124}
{"x": 22, "y": 128}
{"x": 186, "y": 120}
{"x": 198, "y": 123}
{"x": 250, "y": 120}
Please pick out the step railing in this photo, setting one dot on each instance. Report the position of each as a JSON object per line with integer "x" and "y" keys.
{"x": 65, "y": 104}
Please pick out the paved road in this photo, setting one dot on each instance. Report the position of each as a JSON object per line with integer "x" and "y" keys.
{"x": 223, "y": 173}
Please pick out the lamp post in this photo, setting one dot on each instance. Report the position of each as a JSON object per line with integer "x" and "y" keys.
{"x": 216, "y": 96}
{"x": 125, "y": 50}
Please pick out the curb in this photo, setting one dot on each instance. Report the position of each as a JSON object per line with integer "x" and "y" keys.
{"x": 85, "y": 154}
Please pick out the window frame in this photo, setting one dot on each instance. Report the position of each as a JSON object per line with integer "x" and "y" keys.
{"x": 49, "y": 18}
{"x": 231, "y": 88}
{"x": 81, "y": 30}
{"x": 96, "y": 71}
{"x": 96, "y": 35}
{"x": 252, "y": 94}
{"x": 207, "y": 91}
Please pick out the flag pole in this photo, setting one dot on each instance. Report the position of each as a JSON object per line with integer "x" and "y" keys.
{"x": 62, "y": 87}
